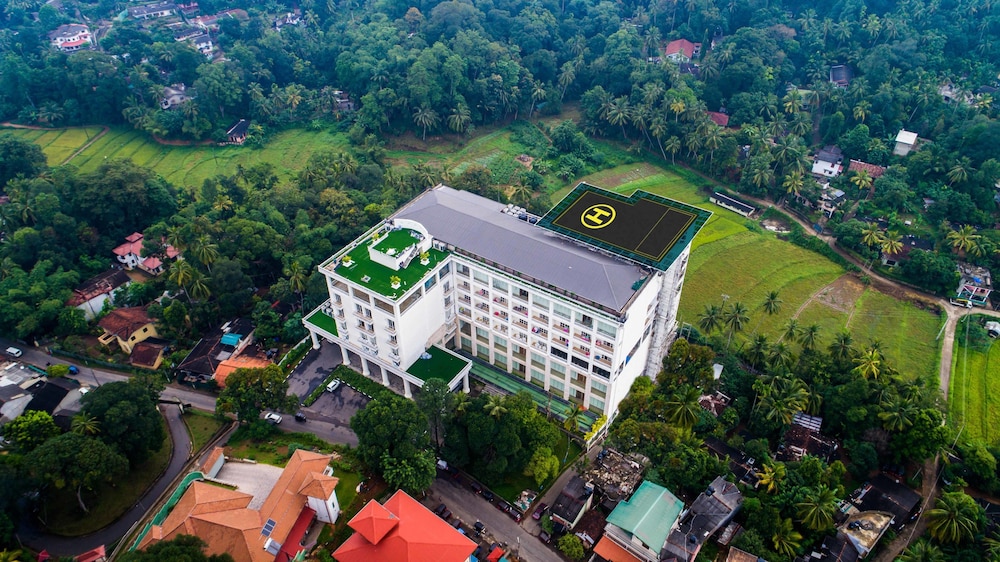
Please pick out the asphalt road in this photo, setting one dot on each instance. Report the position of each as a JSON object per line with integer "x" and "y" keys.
{"x": 471, "y": 507}
{"x": 31, "y": 534}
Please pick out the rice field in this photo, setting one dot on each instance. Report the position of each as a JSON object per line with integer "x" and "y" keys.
{"x": 57, "y": 144}
{"x": 975, "y": 388}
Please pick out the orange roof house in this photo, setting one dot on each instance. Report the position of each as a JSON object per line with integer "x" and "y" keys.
{"x": 682, "y": 50}
{"x": 127, "y": 326}
{"x": 227, "y": 366}
{"x": 130, "y": 255}
{"x": 225, "y": 520}
{"x": 402, "y": 530}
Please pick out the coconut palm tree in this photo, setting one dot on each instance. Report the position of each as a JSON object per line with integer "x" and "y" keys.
{"x": 863, "y": 181}
{"x": 954, "y": 519}
{"x": 791, "y": 330}
{"x": 734, "y": 318}
{"x": 892, "y": 243}
{"x": 771, "y": 476}
{"x": 786, "y": 538}
{"x": 843, "y": 346}
{"x": 84, "y": 424}
{"x": 618, "y": 112}
{"x": 869, "y": 363}
{"x": 809, "y": 336}
{"x": 425, "y": 117}
{"x": 683, "y": 409}
{"x": 298, "y": 277}
{"x": 756, "y": 353}
{"x": 959, "y": 173}
{"x": 180, "y": 273}
{"x": 198, "y": 287}
{"x": 677, "y": 107}
{"x": 965, "y": 240}
{"x": 459, "y": 119}
{"x": 205, "y": 251}
{"x": 573, "y": 418}
{"x": 780, "y": 356}
{"x": 711, "y": 318}
{"x": 871, "y": 236}
{"x": 897, "y": 413}
{"x": 10, "y": 556}
{"x": 673, "y": 146}
{"x": 495, "y": 405}
{"x": 922, "y": 551}
{"x": 816, "y": 512}
{"x": 772, "y": 303}
{"x": 793, "y": 183}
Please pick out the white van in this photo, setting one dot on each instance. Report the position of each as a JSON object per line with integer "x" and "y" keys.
{"x": 14, "y": 352}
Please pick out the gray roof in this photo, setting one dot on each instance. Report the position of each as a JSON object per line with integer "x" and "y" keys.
{"x": 477, "y": 225}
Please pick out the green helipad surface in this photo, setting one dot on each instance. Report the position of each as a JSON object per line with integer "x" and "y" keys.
{"x": 642, "y": 227}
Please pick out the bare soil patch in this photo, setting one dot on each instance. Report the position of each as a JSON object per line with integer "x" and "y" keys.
{"x": 842, "y": 293}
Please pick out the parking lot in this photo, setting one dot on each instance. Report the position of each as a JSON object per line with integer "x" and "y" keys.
{"x": 329, "y": 418}
{"x": 470, "y": 507}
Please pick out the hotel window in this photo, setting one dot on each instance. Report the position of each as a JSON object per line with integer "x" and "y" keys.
{"x": 482, "y": 333}
{"x": 483, "y": 352}
{"x": 556, "y": 385}
{"x": 500, "y": 285}
{"x": 518, "y": 367}
{"x": 521, "y": 294}
{"x": 540, "y": 302}
{"x": 537, "y": 359}
{"x": 431, "y": 281}
{"x": 500, "y": 343}
{"x": 559, "y": 353}
{"x": 462, "y": 269}
{"x": 481, "y": 277}
{"x": 500, "y": 361}
{"x": 607, "y": 329}
{"x": 598, "y": 387}
{"x": 358, "y": 308}
{"x": 558, "y": 371}
{"x": 597, "y": 404}
{"x": 467, "y": 344}
{"x": 538, "y": 378}
{"x": 444, "y": 270}
{"x": 560, "y": 310}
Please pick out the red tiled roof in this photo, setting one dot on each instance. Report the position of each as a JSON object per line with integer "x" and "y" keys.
{"x": 720, "y": 119}
{"x": 145, "y": 354}
{"x": 152, "y": 262}
{"x": 123, "y": 321}
{"x": 292, "y": 545}
{"x": 373, "y": 522}
{"x": 680, "y": 46}
{"x": 873, "y": 170}
{"x": 131, "y": 247}
{"x": 610, "y": 551}
{"x": 495, "y": 554}
{"x": 419, "y": 536}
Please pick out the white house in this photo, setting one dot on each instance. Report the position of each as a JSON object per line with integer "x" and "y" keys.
{"x": 71, "y": 37}
{"x": 828, "y": 162}
{"x": 905, "y": 142}
{"x": 152, "y": 11}
{"x": 91, "y": 295}
{"x": 541, "y": 307}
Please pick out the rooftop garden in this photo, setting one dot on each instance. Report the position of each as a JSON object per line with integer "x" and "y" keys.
{"x": 324, "y": 321}
{"x": 385, "y": 281}
{"x": 441, "y": 365}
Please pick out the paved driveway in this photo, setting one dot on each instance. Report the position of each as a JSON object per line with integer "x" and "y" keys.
{"x": 313, "y": 369}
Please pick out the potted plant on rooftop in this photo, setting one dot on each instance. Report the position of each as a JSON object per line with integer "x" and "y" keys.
{"x": 395, "y": 281}
{"x": 425, "y": 257}
{"x": 348, "y": 261}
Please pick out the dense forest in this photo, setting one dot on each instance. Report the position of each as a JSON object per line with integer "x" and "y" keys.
{"x": 252, "y": 238}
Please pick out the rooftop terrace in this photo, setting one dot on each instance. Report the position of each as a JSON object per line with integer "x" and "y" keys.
{"x": 440, "y": 365}
{"x": 366, "y": 272}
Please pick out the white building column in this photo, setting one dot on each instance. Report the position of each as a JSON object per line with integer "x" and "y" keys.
{"x": 315, "y": 340}
{"x": 465, "y": 383}
{"x": 364, "y": 366}
{"x": 406, "y": 389}
{"x": 385, "y": 377}
{"x": 343, "y": 353}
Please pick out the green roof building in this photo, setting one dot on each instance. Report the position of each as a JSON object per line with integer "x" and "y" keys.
{"x": 640, "y": 525}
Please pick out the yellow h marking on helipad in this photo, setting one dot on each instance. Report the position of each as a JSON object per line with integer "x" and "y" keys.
{"x": 598, "y": 216}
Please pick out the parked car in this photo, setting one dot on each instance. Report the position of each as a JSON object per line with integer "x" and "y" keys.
{"x": 446, "y": 514}
{"x": 334, "y": 385}
{"x": 272, "y": 418}
{"x": 544, "y": 537}
{"x": 502, "y": 506}
{"x": 300, "y": 417}
{"x": 488, "y": 496}
{"x": 476, "y": 487}
{"x": 14, "y": 352}
{"x": 514, "y": 514}
{"x": 439, "y": 510}
{"x": 540, "y": 511}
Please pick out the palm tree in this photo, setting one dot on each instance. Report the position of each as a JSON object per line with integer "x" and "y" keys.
{"x": 780, "y": 356}
{"x": 869, "y": 363}
{"x": 198, "y": 287}
{"x": 842, "y": 346}
{"x": 809, "y": 336}
{"x": 459, "y": 119}
{"x": 566, "y": 77}
{"x": 677, "y": 107}
{"x": 734, "y": 318}
{"x": 965, "y": 240}
{"x": 495, "y": 405}
{"x": 862, "y": 110}
{"x": 897, "y": 414}
{"x": 922, "y": 551}
{"x": 462, "y": 401}
{"x": 791, "y": 330}
{"x": 786, "y": 538}
{"x": 618, "y": 112}
{"x": 673, "y": 145}
{"x": 892, "y": 243}
{"x": 537, "y": 94}
{"x": 756, "y": 353}
{"x": 793, "y": 183}
{"x": 298, "y": 276}
{"x": 180, "y": 273}
{"x": 772, "y": 476}
{"x": 10, "y": 556}
{"x": 816, "y": 512}
{"x": 772, "y": 303}
{"x": 205, "y": 251}
{"x": 793, "y": 101}
{"x": 871, "y": 235}
{"x": 84, "y": 424}
{"x": 954, "y": 518}
{"x": 762, "y": 177}
{"x": 425, "y": 117}
{"x": 863, "y": 181}
{"x": 683, "y": 409}
{"x": 711, "y": 319}
{"x": 959, "y": 173}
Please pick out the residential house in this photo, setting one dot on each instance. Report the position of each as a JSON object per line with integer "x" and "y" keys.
{"x": 127, "y": 327}
{"x": 841, "y": 75}
{"x": 742, "y": 465}
{"x": 91, "y": 295}
{"x": 341, "y": 101}
{"x": 690, "y": 68}
{"x": 248, "y": 525}
{"x": 883, "y": 494}
{"x": 226, "y": 342}
{"x": 288, "y": 18}
{"x": 402, "y": 530}
{"x": 714, "y": 403}
{"x": 828, "y": 162}
{"x": 58, "y": 397}
{"x": 147, "y": 354}
{"x": 575, "y": 499}
{"x": 951, "y": 93}
{"x": 71, "y": 37}
{"x": 830, "y": 199}
{"x": 203, "y": 43}
{"x": 719, "y": 118}
{"x": 732, "y": 203}
{"x": 176, "y": 95}
{"x": 637, "y": 529}
{"x": 130, "y": 255}
{"x": 211, "y": 22}
{"x": 237, "y": 133}
{"x": 737, "y": 555}
{"x": 836, "y": 548}
{"x": 906, "y": 141}
{"x": 874, "y": 172}
{"x": 152, "y": 11}
{"x": 682, "y": 50}
{"x": 614, "y": 476}
{"x": 910, "y": 243}
{"x": 803, "y": 438}
{"x": 17, "y": 387}
{"x": 711, "y": 510}
{"x": 246, "y": 361}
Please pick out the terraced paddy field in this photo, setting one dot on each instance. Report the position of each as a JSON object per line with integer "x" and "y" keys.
{"x": 57, "y": 144}
{"x": 729, "y": 260}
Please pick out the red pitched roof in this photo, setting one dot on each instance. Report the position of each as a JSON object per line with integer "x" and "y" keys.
{"x": 680, "y": 46}
{"x": 123, "y": 321}
{"x": 720, "y": 119}
{"x": 152, "y": 262}
{"x": 873, "y": 170}
{"x": 418, "y": 536}
{"x": 132, "y": 245}
{"x": 373, "y": 522}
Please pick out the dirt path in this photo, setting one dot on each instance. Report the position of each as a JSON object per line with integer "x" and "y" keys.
{"x": 103, "y": 132}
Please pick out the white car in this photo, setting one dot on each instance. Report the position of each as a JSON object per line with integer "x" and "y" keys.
{"x": 14, "y": 352}
{"x": 272, "y": 418}
{"x": 334, "y": 385}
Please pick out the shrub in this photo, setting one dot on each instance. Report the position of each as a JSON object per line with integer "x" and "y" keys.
{"x": 571, "y": 546}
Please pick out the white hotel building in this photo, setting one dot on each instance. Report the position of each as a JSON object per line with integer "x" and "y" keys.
{"x": 540, "y": 308}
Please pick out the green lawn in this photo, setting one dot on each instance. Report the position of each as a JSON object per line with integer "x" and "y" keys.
{"x": 275, "y": 450}
{"x": 347, "y": 487}
{"x": 441, "y": 365}
{"x": 201, "y": 426}
{"x": 377, "y": 277}
{"x": 975, "y": 389}
{"x": 108, "y": 502}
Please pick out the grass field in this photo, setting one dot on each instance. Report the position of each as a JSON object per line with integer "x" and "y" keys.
{"x": 975, "y": 387}
{"x": 201, "y": 427}
{"x": 59, "y": 144}
{"x": 727, "y": 258}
